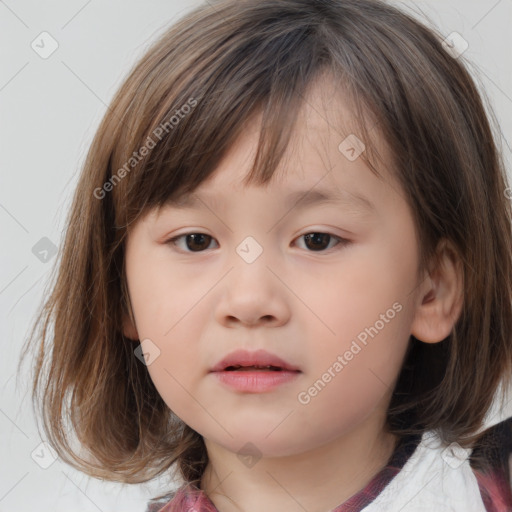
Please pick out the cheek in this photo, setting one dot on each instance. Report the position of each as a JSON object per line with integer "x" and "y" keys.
{"x": 163, "y": 316}
{"x": 364, "y": 314}
{"x": 352, "y": 373}
{"x": 178, "y": 368}
{"x": 371, "y": 288}
{"x": 161, "y": 297}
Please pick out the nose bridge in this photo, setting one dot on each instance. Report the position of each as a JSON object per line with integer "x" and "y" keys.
{"x": 250, "y": 263}
{"x": 252, "y": 292}
{"x": 250, "y": 250}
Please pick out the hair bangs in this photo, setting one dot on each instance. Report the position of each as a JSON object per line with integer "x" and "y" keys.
{"x": 177, "y": 139}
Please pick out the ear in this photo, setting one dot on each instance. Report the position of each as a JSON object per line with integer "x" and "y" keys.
{"x": 129, "y": 328}
{"x": 440, "y": 298}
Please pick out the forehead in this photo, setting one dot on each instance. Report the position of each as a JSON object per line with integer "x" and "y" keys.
{"x": 294, "y": 198}
{"x": 326, "y": 149}
{"x": 316, "y": 168}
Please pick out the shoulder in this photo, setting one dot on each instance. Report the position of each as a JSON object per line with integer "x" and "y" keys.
{"x": 437, "y": 476}
{"x": 491, "y": 461}
{"x": 156, "y": 505}
{"x": 494, "y": 447}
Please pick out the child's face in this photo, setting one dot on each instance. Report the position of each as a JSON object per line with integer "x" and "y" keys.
{"x": 341, "y": 313}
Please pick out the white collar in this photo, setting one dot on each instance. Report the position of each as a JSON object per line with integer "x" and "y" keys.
{"x": 436, "y": 477}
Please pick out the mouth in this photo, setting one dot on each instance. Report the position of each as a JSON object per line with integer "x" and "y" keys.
{"x": 239, "y": 368}
{"x": 255, "y": 361}
{"x": 255, "y": 378}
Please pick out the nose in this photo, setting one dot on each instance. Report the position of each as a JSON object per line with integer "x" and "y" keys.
{"x": 252, "y": 294}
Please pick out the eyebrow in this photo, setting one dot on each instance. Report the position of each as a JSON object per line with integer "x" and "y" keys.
{"x": 299, "y": 199}
{"x": 305, "y": 198}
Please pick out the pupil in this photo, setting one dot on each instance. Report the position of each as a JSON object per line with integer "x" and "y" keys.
{"x": 197, "y": 238}
{"x": 317, "y": 238}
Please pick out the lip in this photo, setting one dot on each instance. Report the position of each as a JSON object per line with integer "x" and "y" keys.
{"x": 257, "y": 358}
{"x": 254, "y": 381}
{"x": 257, "y": 381}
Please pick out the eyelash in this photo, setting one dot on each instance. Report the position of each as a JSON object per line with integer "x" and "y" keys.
{"x": 341, "y": 241}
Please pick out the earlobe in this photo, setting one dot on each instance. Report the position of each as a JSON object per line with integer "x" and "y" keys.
{"x": 129, "y": 329}
{"x": 441, "y": 297}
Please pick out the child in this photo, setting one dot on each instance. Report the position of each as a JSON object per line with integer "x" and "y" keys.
{"x": 273, "y": 374}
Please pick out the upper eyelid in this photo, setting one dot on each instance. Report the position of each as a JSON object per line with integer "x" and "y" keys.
{"x": 298, "y": 236}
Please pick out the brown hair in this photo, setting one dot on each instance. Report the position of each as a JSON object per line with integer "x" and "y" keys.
{"x": 227, "y": 62}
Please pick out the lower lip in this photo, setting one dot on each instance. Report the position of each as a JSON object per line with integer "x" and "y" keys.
{"x": 257, "y": 381}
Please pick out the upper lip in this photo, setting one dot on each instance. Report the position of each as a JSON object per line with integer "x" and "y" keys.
{"x": 257, "y": 358}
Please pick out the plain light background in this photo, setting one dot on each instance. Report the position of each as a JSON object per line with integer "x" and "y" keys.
{"x": 50, "y": 109}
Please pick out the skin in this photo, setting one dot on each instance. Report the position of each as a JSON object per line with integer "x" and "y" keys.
{"x": 305, "y": 305}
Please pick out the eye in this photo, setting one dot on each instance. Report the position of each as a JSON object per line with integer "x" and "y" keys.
{"x": 193, "y": 241}
{"x": 316, "y": 241}
{"x": 197, "y": 242}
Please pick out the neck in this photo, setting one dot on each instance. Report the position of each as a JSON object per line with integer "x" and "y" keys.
{"x": 316, "y": 480}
